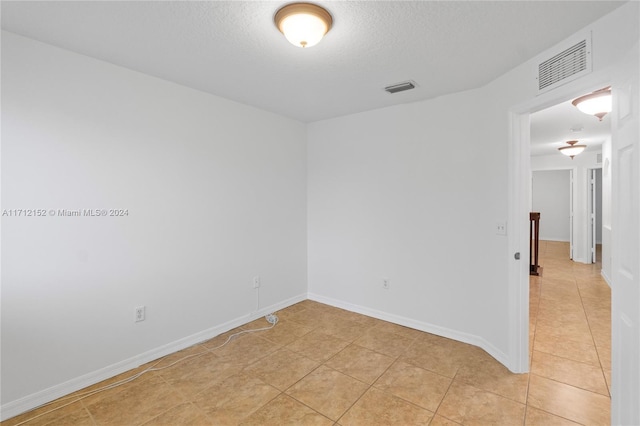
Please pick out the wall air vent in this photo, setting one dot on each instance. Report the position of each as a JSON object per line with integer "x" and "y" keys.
{"x": 400, "y": 87}
{"x": 570, "y": 63}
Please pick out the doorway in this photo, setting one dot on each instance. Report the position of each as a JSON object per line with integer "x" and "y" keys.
{"x": 526, "y": 156}
{"x": 595, "y": 215}
{"x": 551, "y": 196}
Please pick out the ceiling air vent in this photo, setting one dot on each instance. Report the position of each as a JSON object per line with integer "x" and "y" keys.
{"x": 572, "y": 62}
{"x": 400, "y": 87}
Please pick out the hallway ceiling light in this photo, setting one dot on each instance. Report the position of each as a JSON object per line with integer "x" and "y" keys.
{"x": 572, "y": 150}
{"x": 597, "y": 103}
{"x": 303, "y": 24}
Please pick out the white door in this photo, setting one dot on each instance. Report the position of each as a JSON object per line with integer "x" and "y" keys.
{"x": 625, "y": 253}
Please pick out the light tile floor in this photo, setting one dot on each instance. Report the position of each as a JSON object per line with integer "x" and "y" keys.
{"x": 325, "y": 366}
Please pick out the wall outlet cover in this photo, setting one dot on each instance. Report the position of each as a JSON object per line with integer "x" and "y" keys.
{"x": 140, "y": 313}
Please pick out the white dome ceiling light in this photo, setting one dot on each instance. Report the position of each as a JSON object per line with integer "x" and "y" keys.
{"x": 572, "y": 150}
{"x": 597, "y": 103}
{"x": 303, "y": 24}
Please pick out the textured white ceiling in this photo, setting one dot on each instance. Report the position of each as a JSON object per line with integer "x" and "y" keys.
{"x": 232, "y": 48}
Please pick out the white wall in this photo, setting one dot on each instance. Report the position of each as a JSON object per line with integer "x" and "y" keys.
{"x": 550, "y": 197}
{"x": 215, "y": 192}
{"x": 414, "y": 193}
{"x": 410, "y": 194}
{"x": 402, "y": 193}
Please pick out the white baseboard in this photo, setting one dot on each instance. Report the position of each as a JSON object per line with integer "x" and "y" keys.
{"x": 19, "y": 406}
{"x": 606, "y": 277}
{"x": 471, "y": 339}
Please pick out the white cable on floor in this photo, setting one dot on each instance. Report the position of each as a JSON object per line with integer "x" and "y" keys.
{"x": 271, "y": 319}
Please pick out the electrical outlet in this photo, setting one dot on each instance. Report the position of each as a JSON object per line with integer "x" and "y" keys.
{"x": 385, "y": 283}
{"x": 256, "y": 281}
{"x": 501, "y": 228}
{"x": 140, "y": 312}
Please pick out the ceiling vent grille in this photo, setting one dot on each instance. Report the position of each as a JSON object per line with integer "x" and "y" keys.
{"x": 400, "y": 87}
{"x": 567, "y": 65}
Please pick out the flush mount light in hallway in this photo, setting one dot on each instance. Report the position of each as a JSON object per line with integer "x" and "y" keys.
{"x": 303, "y": 24}
{"x": 597, "y": 103}
{"x": 572, "y": 150}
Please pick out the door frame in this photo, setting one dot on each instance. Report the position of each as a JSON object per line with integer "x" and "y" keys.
{"x": 519, "y": 206}
{"x": 593, "y": 199}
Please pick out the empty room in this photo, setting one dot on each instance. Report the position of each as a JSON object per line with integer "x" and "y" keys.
{"x": 269, "y": 213}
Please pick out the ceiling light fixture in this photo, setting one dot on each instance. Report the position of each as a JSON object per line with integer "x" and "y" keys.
{"x": 303, "y": 24}
{"x": 572, "y": 150}
{"x": 597, "y": 103}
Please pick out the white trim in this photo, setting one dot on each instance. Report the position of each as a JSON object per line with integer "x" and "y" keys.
{"x": 582, "y": 260}
{"x": 573, "y": 185}
{"x": 29, "y": 402}
{"x": 559, "y": 240}
{"x": 605, "y": 277}
{"x": 418, "y": 325}
{"x": 519, "y": 196}
{"x": 519, "y": 205}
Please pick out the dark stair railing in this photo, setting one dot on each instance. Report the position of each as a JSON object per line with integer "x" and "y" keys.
{"x": 534, "y": 237}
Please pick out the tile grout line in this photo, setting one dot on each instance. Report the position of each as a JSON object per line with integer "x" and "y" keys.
{"x": 443, "y": 398}
{"x": 369, "y": 385}
{"x": 322, "y": 363}
{"x": 533, "y": 344}
{"x": 186, "y": 399}
{"x": 93, "y": 420}
{"x": 557, "y": 415}
{"x": 594, "y": 341}
{"x": 573, "y": 386}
